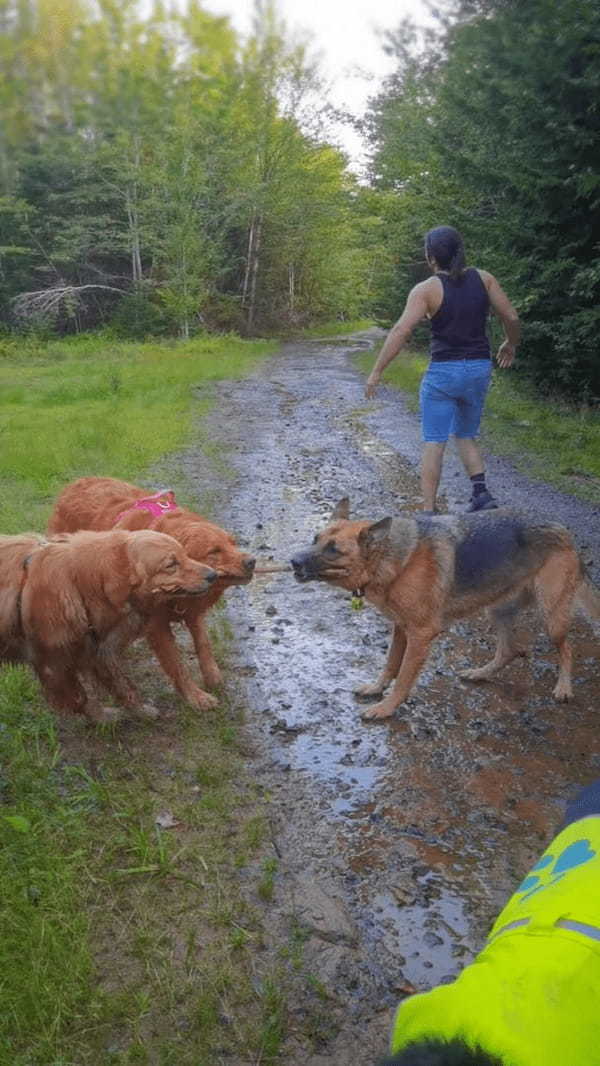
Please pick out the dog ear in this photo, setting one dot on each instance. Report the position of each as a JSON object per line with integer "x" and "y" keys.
{"x": 341, "y": 509}
{"x": 374, "y": 534}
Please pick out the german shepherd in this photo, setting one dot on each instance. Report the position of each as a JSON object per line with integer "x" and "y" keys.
{"x": 425, "y": 572}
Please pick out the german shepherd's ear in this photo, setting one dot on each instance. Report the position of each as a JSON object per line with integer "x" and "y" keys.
{"x": 374, "y": 534}
{"x": 341, "y": 509}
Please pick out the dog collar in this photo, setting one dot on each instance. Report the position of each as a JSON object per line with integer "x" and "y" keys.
{"x": 157, "y": 504}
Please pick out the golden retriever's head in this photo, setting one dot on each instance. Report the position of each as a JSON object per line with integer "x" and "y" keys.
{"x": 211, "y": 545}
{"x": 342, "y": 553}
{"x": 162, "y": 568}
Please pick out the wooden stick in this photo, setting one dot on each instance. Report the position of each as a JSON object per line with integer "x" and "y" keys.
{"x": 276, "y": 568}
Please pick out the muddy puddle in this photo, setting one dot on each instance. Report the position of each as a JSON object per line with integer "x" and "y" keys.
{"x": 397, "y": 842}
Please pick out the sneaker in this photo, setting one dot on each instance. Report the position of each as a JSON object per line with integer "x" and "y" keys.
{"x": 484, "y": 501}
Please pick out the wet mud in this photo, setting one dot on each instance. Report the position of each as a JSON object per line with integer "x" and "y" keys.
{"x": 396, "y": 842}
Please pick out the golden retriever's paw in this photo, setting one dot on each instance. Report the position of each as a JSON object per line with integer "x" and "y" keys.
{"x": 104, "y": 715}
{"x": 563, "y": 692}
{"x": 202, "y": 701}
{"x": 377, "y": 712}
{"x": 367, "y": 692}
{"x": 212, "y": 676}
{"x": 147, "y": 711}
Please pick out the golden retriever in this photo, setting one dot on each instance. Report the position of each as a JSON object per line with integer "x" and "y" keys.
{"x": 105, "y": 503}
{"x": 70, "y": 606}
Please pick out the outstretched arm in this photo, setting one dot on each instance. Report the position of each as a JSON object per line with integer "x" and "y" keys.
{"x": 509, "y": 318}
{"x": 417, "y": 308}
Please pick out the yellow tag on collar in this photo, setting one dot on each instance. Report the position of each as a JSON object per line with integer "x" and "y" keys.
{"x": 356, "y": 602}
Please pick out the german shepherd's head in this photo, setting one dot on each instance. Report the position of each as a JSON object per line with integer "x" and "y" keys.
{"x": 342, "y": 553}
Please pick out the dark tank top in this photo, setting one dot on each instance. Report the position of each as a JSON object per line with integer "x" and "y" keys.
{"x": 458, "y": 327}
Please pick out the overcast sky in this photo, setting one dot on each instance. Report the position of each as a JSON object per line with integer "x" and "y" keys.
{"x": 345, "y": 32}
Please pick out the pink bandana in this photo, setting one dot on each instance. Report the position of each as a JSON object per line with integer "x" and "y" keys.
{"x": 156, "y": 504}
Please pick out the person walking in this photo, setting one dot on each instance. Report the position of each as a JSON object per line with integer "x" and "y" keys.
{"x": 456, "y": 300}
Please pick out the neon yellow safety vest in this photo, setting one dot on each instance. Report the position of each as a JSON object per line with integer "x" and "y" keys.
{"x": 532, "y": 997}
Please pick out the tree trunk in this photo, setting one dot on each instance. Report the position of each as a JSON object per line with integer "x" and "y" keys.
{"x": 134, "y": 221}
{"x": 254, "y": 272}
{"x": 248, "y": 259}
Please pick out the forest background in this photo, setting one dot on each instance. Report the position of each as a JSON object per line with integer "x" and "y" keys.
{"x": 160, "y": 175}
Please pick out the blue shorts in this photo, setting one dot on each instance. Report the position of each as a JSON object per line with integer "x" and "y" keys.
{"x": 452, "y": 396}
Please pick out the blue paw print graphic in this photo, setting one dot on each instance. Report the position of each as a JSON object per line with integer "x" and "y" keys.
{"x": 549, "y": 869}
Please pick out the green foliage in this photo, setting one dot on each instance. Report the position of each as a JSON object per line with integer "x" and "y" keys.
{"x": 493, "y": 128}
{"x": 170, "y": 175}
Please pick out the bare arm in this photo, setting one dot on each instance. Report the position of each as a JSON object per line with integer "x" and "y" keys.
{"x": 417, "y": 307}
{"x": 509, "y": 318}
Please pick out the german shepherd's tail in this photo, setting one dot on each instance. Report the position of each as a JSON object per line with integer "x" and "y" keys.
{"x": 588, "y": 599}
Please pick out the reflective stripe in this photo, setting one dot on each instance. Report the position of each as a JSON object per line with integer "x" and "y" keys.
{"x": 511, "y": 925}
{"x": 579, "y": 927}
{"x": 592, "y": 931}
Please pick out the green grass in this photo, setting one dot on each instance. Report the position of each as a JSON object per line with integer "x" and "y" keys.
{"x": 545, "y": 438}
{"x": 121, "y": 942}
{"x": 45, "y": 958}
{"x": 86, "y": 405}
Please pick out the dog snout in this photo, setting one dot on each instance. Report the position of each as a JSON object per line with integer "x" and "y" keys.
{"x": 300, "y": 565}
{"x": 202, "y": 578}
{"x": 249, "y": 565}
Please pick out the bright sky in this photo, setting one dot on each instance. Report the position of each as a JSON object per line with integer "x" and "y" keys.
{"x": 345, "y": 32}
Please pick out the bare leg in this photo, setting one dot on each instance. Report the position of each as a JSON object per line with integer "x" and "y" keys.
{"x": 208, "y": 664}
{"x": 507, "y": 646}
{"x": 162, "y": 642}
{"x": 418, "y": 643}
{"x": 431, "y": 472}
{"x": 470, "y": 455}
{"x": 392, "y": 666}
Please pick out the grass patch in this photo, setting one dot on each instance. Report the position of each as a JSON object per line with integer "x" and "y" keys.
{"x": 85, "y": 405}
{"x": 45, "y": 959}
{"x": 266, "y": 884}
{"x": 122, "y": 942}
{"x": 545, "y": 438}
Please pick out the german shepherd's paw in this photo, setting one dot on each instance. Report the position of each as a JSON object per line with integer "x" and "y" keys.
{"x": 476, "y": 673}
{"x": 368, "y": 692}
{"x": 563, "y": 692}
{"x": 377, "y": 712}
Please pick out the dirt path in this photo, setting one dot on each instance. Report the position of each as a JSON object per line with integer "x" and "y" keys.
{"x": 396, "y": 843}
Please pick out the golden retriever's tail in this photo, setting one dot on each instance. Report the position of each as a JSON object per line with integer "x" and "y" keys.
{"x": 588, "y": 599}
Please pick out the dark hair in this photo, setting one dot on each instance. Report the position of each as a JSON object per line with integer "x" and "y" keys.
{"x": 445, "y": 245}
{"x": 439, "y": 1053}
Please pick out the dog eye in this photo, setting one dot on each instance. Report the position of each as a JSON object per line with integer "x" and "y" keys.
{"x": 331, "y": 548}
{"x": 172, "y": 564}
